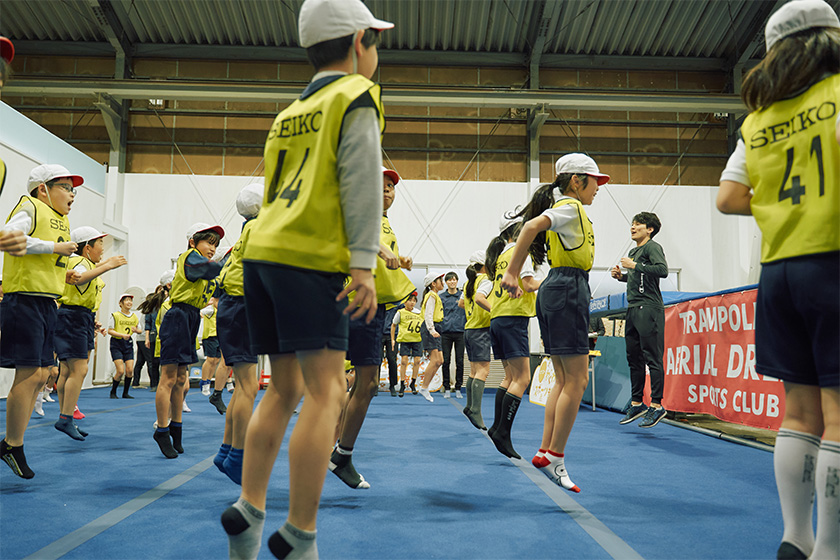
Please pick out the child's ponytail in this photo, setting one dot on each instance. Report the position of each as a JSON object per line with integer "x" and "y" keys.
{"x": 472, "y": 274}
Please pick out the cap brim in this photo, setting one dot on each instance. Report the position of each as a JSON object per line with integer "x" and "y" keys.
{"x": 381, "y": 25}
{"x": 393, "y": 175}
{"x": 600, "y": 177}
{"x": 7, "y": 49}
{"x": 218, "y": 229}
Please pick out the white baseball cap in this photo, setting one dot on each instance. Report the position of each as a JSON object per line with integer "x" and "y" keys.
{"x": 167, "y": 277}
{"x": 580, "y": 164}
{"x": 395, "y": 177}
{"x": 478, "y": 257}
{"x": 201, "y": 226}
{"x": 507, "y": 221}
{"x": 324, "y": 20}
{"x": 48, "y": 172}
{"x": 431, "y": 277}
{"x": 125, "y": 295}
{"x": 84, "y": 234}
{"x": 796, "y": 16}
{"x": 249, "y": 200}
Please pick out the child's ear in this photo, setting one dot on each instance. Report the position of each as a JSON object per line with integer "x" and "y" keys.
{"x": 192, "y": 243}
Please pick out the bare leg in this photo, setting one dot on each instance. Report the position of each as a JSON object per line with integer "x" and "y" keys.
{"x": 163, "y": 396}
{"x": 568, "y": 402}
{"x": 357, "y": 405}
{"x": 21, "y": 401}
{"x": 435, "y": 361}
{"x": 241, "y": 405}
{"x": 70, "y": 384}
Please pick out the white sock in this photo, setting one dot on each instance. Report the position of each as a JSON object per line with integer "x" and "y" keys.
{"x": 556, "y": 471}
{"x": 794, "y": 462}
{"x": 828, "y": 501}
{"x": 293, "y": 544}
{"x": 244, "y": 525}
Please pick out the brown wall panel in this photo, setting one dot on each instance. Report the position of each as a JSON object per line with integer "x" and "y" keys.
{"x": 643, "y": 171}
{"x": 199, "y": 129}
{"x": 98, "y": 152}
{"x": 453, "y": 76}
{"x": 200, "y": 105}
{"x": 149, "y": 128}
{"x": 703, "y": 81}
{"x": 262, "y": 71}
{"x": 502, "y": 77}
{"x": 403, "y": 75}
{"x": 651, "y": 116}
{"x": 95, "y": 66}
{"x": 405, "y": 110}
{"x": 652, "y": 80}
{"x": 89, "y": 126}
{"x": 603, "y": 79}
{"x": 208, "y": 69}
{"x": 449, "y": 167}
{"x": 57, "y": 123}
{"x": 156, "y": 68}
{"x": 653, "y": 139}
{"x": 202, "y": 161}
{"x": 253, "y": 106}
{"x": 50, "y": 65}
{"x": 615, "y": 167}
{"x": 410, "y": 165}
{"x": 506, "y": 136}
{"x": 557, "y": 77}
{"x": 247, "y": 130}
{"x": 151, "y": 159}
{"x": 296, "y": 72}
{"x": 701, "y": 171}
{"x": 603, "y": 138}
{"x": 502, "y": 167}
{"x": 244, "y": 161}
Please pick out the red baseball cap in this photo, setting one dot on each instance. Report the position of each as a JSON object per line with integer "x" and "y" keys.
{"x": 7, "y": 49}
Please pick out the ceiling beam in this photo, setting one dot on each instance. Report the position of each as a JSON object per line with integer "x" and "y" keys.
{"x": 111, "y": 27}
{"x": 392, "y": 94}
{"x": 386, "y": 57}
{"x": 549, "y": 16}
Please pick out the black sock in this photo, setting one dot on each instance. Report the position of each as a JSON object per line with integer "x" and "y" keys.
{"x": 175, "y": 430}
{"x": 14, "y": 457}
{"x": 500, "y": 396}
{"x": 114, "y": 384}
{"x": 126, "y": 385}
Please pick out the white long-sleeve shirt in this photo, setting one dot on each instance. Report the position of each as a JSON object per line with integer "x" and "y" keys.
{"x": 22, "y": 221}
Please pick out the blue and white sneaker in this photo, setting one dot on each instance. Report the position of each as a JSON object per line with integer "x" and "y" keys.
{"x": 634, "y": 412}
{"x": 652, "y": 417}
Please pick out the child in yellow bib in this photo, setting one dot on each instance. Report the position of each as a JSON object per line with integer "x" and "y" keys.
{"x": 31, "y": 284}
{"x": 559, "y": 231}
{"x": 477, "y": 335}
{"x": 409, "y": 321}
{"x": 785, "y": 171}
{"x": 319, "y": 220}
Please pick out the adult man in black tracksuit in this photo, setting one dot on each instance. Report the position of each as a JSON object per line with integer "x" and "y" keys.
{"x": 644, "y": 329}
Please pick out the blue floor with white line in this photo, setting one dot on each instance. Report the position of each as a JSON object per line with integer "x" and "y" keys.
{"x": 439, "y": 489}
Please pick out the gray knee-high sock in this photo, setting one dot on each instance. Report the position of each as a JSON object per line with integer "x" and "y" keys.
{"x": 469, "y": 393}
{"x": 477, "y": 394}
{"x": 244, "y": 525}
{"x": 794, "y": 463}
{"x": 293, "y": 543}
{"x": 828, "y": 501}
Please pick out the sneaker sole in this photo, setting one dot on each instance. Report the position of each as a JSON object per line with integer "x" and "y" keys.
{"x": 624, "y": 421}
{"x": 658, "y": 420}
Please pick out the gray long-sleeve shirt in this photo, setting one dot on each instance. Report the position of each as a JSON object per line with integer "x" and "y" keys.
{"x": 643, "y": 281}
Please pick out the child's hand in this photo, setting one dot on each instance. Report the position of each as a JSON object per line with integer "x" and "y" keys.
{"x": 361, "y": 280}
{"x": 511, "y": 285}
{"x": 66, "y": 248}
{"x": 406, "y": 262}
{"x": 13, "y": 242}
{"x": 615, "y": 272}
{"x": 72, "y": 277}
{"x": 115, "y": 262}
{"x": 391, "y": 260}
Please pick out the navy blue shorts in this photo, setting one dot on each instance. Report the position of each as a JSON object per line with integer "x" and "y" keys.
{"x": 290, "y": 309}
{"x": 411, "y": 349}
{"x": 122, "y": 349}
{"x": 365, "y": 339}
{"x": 797, "y": 320}
{"x": 232, "y": 327}
{"x": 477, "y": 342}
{"x": 74, "y": 332}
{"x": 28, "y": 327}
{"x": 177, "y": 335}
{"x": 563, "y": 311}
{"x": 509, "y": 337}
{"x": 210, "y": 345}
{"x": 429, "y": 342}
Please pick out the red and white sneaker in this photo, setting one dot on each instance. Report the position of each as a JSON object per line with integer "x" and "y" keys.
{"x": 77, "y": 414}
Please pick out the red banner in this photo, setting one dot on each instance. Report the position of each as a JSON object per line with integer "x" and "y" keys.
{"x": 710, "y": 362}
